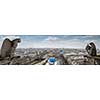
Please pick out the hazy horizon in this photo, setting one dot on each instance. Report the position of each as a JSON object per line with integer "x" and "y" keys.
{"x": 50, "y": 48}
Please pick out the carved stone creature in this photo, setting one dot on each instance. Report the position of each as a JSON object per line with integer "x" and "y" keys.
{"x": 8, "y": 47}
{"x": 91, "y": 49}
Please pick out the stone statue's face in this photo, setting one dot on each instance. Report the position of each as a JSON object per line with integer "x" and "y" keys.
{"x": 18, "y": 40}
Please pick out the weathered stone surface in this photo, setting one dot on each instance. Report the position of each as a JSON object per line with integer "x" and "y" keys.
{"x": 91, "y": 49}
{"x": 8, "y": 47}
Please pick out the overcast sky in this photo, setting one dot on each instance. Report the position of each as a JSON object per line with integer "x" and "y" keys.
{"x": 54, "y": 41}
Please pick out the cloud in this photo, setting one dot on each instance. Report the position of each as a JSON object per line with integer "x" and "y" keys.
{"x": 55, "y": 42}
{"x": 87, "y": 36}
{"x": 51, "y": 38}
{"x": 68, "y": 43}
